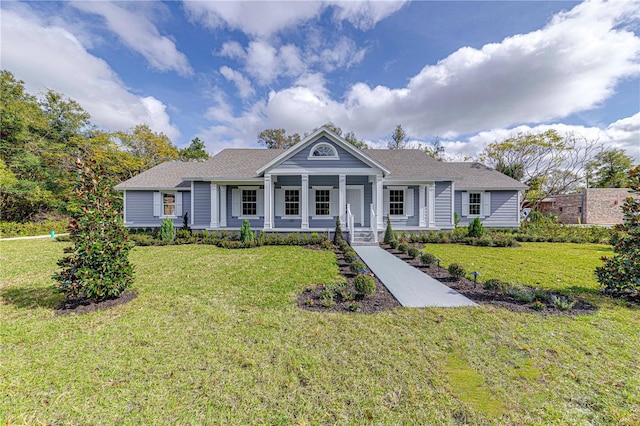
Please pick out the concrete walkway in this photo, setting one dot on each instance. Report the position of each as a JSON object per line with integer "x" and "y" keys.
{"x": 411, "y": 287}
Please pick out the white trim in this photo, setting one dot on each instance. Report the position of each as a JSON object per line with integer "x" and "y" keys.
{"x": 191, "y": 222}
{"x": 379, "y": 200}
{"x": 431, "y": 203}
{"x": 314, "y": 216}
{"x": 213, "y": 223}
{"x": 324, "y": 171}
{"x": 468, "y": 193}
{"x": 316, "y": 134}
{"x": 422, "y": 208}
{"x": 175, "y": 204}
{"x": 453, "y": 204}
{"x": 342, "y": 197}
{"x": 304, "y": 201}
{"x": 404, "y": 189}
{"x": 284, "y": 200}
{"x": 124, "y": 206}
{"x": 335, "y": 155}
{"x": 360, "y": 188}
{"x": 222, "y": 222}
{"x": 268, "y": 202}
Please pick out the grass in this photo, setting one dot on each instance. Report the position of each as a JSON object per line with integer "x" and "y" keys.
{"x": 215, "y": 337}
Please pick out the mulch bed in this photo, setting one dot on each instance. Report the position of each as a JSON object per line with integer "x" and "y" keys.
{"x": 84, "y": 305}
{"x": 477, "y": 293}
{"x": 380, "y": 300}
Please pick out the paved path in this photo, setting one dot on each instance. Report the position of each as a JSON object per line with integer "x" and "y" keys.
{"x": 411, "y": 287}
{"x": 32, "y": 237}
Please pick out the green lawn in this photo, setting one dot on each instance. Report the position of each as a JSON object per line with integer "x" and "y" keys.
{"x": 215, "y": 337}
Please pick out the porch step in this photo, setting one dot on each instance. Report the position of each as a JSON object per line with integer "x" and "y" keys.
{"x": 363, "y": 238}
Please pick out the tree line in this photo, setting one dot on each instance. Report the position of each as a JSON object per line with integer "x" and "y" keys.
{"x": 42, "y": 137}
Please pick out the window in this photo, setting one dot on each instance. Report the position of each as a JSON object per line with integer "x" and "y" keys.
{"x": 474, "y": 204}
{"x": 323, "y": 151}
{"x": 249, "y": 202}
{"x": 168, "y": 204}
{"x": 292, "y": 202}
{"x": 323, "y": 201}
{"x": 396, "y": 202}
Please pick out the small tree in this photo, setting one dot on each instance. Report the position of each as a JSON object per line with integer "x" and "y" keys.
{"x": 338, "y": 238}
{"x": 98, "y": 265}
{"x": 620, "y": 275}
{"x": 167, "y": 230}
{"x": 475, "y": 229}
{"x": 388, "y": 233}
{"x": 246, "y": 234}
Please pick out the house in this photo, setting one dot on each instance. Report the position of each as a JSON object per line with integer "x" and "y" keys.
{"x": 307, "y": 187}
{"x": 594, "y": 206}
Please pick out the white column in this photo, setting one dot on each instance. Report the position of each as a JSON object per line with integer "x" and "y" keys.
{"x": 422, "y": 209}
{"x": 223, "y": 206}
{"x": 453, "y": 204}
{"x": 431, "y": 204}
{"x": 192, "y": 201}
{"x": 304, "y": 199}
{"x": 379, "y": 201}
{"x": 124, "y": 206}
{"x": 342, "y": 184}
{"x": 214, "y": 206}
{"x": 268, "y": 202}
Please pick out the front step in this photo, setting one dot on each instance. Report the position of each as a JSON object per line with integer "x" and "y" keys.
{"x": 363, "y": 238}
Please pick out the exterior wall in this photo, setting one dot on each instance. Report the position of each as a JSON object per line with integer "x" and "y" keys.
{"x": 300, "y": 160}
{"x": 603, "y": 206}
{"x": 411, "y": 221}
{"x": 139, "y": 209}
{"x": 236, "y": 222}
{"x": 568, "y": 208}
{"x": 443, "y": 205}
{"x": 201, "y": 204}
{"x": 368, "y": 196}
{"x": 505, "y": 210}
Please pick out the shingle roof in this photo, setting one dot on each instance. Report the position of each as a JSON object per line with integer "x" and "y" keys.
{"x": 407, "y": 164}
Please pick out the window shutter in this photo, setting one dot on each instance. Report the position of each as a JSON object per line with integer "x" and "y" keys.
{"x": 334, "y": 202}
{"x": 179, "y": 203}
{"x": 157, "y": 204}
{"x": 385, "y": 200}
{"x": 260, "y": 202}
{"x": 312, "y": 202}
{"x": 486, "y": 204}
{"x": 408, "y": 202}
{"x": 236, "y": 200}
{"x": 465, "y": 203}
{"x": 279, "y": 202}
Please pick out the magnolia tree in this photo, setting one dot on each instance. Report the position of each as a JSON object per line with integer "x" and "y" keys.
{"x": 97, "y": 265}
{"x": 620, "y": 275}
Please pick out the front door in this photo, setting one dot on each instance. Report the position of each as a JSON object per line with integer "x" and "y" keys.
{"x": 355, "y": 198}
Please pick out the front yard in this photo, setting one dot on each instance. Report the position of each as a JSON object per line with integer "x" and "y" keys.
{"x": 215, "y": 336}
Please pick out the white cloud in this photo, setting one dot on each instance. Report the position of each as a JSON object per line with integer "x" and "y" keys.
{"x": 572, "y": 64}
{"x": 243, "y": 85}
{"x": 51, "y": 57}
{"x": 232, "y": 49}
{"x": 343, "y": 54}
{"x": 265, "y": 18}
{"x": 130, "y": 21}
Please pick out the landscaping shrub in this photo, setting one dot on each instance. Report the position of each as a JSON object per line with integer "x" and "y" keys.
{"x": 388, "y": 233}
{"x": 403, "y": 247}
{"x": 620, "y": 275}
{"x": 338, "y": 238}
{"x": 247, "y": 237}
{"x": 349, "y": 255}
{"x": 98, "y": 264}
{"x": 475, "y": 229}
{"x": 167, "y": 230}
{"x": 563, "y": 303}
{"x": 456, "y": 271}
{"x": 521, "y": 294}
{"x": 357, "y": 267}
{"x": 413, "y": 252}
{"x": 364, "y": 284}
{"x": 293, "y": 239}
{"x": 143, "y": 240}
{"x": 19, "y": 229}
{"x": 393, "y": 244}
{"x": 495, "y": 285}
{"x": 427, "y": 259}
{"x": 538, "y": 305}
{"x": 354, "y": 307}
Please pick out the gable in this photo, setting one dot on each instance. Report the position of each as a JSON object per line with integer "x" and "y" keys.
{"x": 305, "y": 160}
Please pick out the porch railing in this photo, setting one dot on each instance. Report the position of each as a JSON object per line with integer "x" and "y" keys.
{"x": 374, "y": 224}
{"x": 350, "y": 223}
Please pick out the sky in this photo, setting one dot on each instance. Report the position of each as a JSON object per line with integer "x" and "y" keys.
{"x": 467, "y": 73}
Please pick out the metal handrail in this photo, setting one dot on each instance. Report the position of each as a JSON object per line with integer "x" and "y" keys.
{"x": 350, "y": 223}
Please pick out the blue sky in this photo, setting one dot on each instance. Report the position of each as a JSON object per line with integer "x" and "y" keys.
{"x": 466, "y": 72}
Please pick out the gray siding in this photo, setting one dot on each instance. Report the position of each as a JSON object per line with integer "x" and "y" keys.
{"x": 301, "y": 161}
{"x": 202, "y": 204}
{"x": 234, "y": 222}
{"x": 411, "y": 221}
{"x": 443, "y": 204}
{"x": 140, "y": 209}
{"x": 504, "y": 209}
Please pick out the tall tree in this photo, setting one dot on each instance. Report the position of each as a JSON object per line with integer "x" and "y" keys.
{"x": 277, "y": 138}
{"x": 399, "y": 138}
{"x": 546, "y": 161}
{"x": 434, "y": 149}
{"x": 609, "y": 169}
{"x": 349, "y": 136}
{"x": 148, "y": 147}
{"x": 195, "y": 151}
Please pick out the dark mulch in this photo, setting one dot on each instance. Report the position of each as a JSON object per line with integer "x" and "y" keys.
{"x": 379, "y": 301}
{"x": 84, "y": 305}
{"x": 477, "y": 293}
